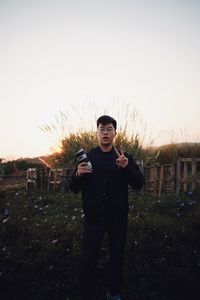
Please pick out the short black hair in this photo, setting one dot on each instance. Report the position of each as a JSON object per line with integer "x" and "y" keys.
{"x": 105, "y": 119}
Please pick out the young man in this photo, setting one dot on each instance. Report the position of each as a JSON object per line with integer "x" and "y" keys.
{"x": 104, "y": 190}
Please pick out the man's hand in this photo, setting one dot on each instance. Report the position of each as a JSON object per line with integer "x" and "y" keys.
{"x": 122, "y": 160}
{"x": 83, "y": 169}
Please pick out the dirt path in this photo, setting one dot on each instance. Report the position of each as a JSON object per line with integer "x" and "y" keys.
{"x": 12, "y": 182}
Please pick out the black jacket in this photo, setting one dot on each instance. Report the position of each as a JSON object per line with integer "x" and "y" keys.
{"x": 105, "y": 190}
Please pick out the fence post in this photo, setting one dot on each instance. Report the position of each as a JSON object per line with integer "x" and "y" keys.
{"x": 31, "y": 178}
{"x": 178, "y": 176}
{"x": 160, "y": 180}
{"x": 155, "y": 178}
{"x": 194, "y": 173}
{"x": 185, "y": 177}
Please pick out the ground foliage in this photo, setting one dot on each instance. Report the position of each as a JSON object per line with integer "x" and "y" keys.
{"x": 40, "y": 240}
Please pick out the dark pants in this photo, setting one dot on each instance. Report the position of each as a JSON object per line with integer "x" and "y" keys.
{"x": 92, "y": 239}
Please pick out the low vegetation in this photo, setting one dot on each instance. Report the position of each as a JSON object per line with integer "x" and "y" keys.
{"x": 40, "y": 247}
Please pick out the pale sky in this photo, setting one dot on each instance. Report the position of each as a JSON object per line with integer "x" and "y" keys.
{"x": 55, "y": 54}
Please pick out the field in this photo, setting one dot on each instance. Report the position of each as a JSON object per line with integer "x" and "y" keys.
{"x": 40, "y": 247}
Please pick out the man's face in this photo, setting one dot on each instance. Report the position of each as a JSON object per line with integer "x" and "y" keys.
{"x": 106, "y": 134}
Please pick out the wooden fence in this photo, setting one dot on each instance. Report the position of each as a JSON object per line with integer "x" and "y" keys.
{"x": 51, "y": 179}
{"x": 159, "y": 179}
{"x": 181, "y": 176}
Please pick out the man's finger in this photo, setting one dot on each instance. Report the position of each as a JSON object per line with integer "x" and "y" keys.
{"x": 121, "y": 150}
{"x": 83, "y": 170}
{"x": 83, "y": 164}
{"x": 117, "y": 152}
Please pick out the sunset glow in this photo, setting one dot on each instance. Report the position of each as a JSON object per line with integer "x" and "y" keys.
{"x": 80, "y": 57}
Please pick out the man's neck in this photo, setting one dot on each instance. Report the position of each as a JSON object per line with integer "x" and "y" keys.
{"x": 106, "y": 148}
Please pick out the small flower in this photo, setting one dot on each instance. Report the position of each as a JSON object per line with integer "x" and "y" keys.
{"x": 5, "y": 220}
{"x": 74, "y": 217}
{"x": 54, "y": 241}
{"x": 24, "y": 219}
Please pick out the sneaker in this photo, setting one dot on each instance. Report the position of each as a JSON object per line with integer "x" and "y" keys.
{"x": 117, "y": 297}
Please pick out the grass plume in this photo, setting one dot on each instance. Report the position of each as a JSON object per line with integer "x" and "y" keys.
{"x": 78, "y": 129}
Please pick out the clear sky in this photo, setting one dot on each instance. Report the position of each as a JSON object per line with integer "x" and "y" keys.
{"x": 55, "y": 54}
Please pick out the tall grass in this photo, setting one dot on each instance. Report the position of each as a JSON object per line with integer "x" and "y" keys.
{"x": 132, "y": 132}
{"x": 168, "y": 153}
{"x": 76, "y": 128}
